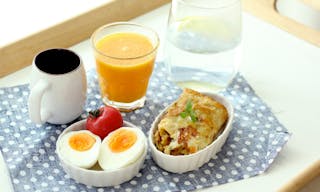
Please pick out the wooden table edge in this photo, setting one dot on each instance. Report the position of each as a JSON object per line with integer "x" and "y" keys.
{"x": 266, "y": 10}
{"x": 303, "y": 178}
{"x": 20, "y": 53}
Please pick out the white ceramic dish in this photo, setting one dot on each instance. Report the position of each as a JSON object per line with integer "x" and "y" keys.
{"x": 100, "y": 178}
{"x": 184, "y": 163}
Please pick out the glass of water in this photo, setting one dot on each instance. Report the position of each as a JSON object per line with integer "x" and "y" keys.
{"x": 203, "y": 43}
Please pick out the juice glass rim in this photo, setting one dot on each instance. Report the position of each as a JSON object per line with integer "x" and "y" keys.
{"x": 200, "y": 6}
{"x": 125, "y": 23}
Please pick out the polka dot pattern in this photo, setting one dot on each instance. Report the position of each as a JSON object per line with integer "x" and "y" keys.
{"x": 29, "y": 149}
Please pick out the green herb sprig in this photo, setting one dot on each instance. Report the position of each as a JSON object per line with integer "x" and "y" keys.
{"x": 189, "y": 112}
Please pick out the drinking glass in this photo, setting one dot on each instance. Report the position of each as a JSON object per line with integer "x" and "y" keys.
{"x": 202, "y": 49}
{"x": 125, "y": 54}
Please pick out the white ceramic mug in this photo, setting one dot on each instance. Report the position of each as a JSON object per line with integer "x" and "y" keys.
{"x": 58, "y": 87}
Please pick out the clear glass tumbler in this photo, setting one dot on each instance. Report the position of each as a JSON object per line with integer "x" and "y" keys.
{"x": 202, "y": 49}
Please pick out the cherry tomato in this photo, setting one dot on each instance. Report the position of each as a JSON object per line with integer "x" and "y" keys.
{"x": 103, "y": 121}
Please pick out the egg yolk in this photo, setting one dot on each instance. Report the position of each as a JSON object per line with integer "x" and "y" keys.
{"x": 122, "y": 140}
{"x": 81, "y": 141}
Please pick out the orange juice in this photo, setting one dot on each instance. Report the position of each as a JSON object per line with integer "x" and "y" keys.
{"x": 124, "y": 64}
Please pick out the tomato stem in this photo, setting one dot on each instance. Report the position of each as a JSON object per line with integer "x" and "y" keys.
{"x": 95, "y": 113}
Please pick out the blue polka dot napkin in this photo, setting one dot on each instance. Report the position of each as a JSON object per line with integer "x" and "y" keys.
{"x": 29, "y": 150}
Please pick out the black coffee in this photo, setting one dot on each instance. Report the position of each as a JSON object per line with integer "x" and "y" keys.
{"x": 57, "y": 61}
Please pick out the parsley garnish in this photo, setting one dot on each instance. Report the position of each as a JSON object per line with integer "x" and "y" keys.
{"x": 189, "y": 112}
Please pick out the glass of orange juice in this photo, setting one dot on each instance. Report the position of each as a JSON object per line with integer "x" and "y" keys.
{"x": 125, "y": 54}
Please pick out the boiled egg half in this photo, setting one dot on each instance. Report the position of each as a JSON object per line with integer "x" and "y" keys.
{"x": 80, "y": 148}
{"x": 121, "y": 148}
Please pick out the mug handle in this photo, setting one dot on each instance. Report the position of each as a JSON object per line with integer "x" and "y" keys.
{"x": 34, "y": 102}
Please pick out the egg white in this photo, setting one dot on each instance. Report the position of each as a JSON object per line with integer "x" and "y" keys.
{"x": 83, "y": 159}
{"x": 109, "y": 160}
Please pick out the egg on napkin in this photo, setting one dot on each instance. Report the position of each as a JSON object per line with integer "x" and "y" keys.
{"x": 80, "y": 148}
{"x": 121, "y": 148}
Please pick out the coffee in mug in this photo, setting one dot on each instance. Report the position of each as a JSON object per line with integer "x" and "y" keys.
{"x": 58, "y": 87}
